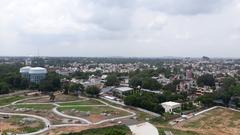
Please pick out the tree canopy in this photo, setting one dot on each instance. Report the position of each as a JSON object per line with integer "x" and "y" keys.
{"x": 92, "y": 91}
{"x": 146, "y": 101}
{"x": 206, "y": 80}
{"x": 50, "y": 83}
{"x": 112, "y": 80}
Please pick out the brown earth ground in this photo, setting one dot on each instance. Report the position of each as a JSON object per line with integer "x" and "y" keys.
{"x": 14, "y": 125}
{"x": 220, "y": 121}
{"x": 59, "y": 98}
{"x": 7, "y": 126}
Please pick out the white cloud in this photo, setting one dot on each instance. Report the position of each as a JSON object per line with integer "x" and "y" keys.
{"x": 120, "y": 27}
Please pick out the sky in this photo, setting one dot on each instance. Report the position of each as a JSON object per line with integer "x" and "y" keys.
{"x": 127, "y": 28}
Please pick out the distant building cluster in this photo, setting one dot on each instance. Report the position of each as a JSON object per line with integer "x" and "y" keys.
{"x": 34, "y": 74}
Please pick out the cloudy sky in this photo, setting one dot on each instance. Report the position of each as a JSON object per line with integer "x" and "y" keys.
{"x": 139, "y": 28}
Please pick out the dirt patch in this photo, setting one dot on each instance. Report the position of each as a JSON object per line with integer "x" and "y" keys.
{"x": 96, "y": 118}
{"x": 219, "y": 121}
{"x": 7, "y": 126}
{"x": 58, "y": 98}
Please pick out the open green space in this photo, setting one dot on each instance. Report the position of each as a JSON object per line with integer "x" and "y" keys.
{"x": 142, "y": 116}
{"x": 113, "y": 130}
{"x": 84, "y": 102}
{"x": 9, "y": 100}
{"x": 36, "y": 106}
{"x": 94, "y": 109}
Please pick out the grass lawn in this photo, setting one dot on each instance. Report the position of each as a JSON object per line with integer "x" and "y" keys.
{"x": 113, "y": 130}
{"x": 94, "y": 109}
{"x": 141, "y": 115}
{"x": 85, "y": 102}
{"x": 8, "y": 100}
{"x": 36, "y": 106}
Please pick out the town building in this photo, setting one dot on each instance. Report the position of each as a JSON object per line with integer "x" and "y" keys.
{"x": 34, "y": 74}
{"x": 122, "y": 91}
{"x": 171, "y": 106}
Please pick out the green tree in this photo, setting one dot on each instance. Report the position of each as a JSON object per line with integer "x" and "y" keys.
{"x": 112, "y": 80}
{"x": 145, "y": 101}
{"x": 51, "y": 83}
{"x": 206, "y": 80}
{"x": 152, "y": 84}
{"x": 206, "y": 100}
{"x": 92, "y": 91}
{"x": 135, "y": 82}
{"x": 172, "y": 86}
{"x": 4, "y": 88}
{"x": 228, "y": 82}
{"x": 76, "y": 88}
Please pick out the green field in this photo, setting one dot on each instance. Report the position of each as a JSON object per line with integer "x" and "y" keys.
{"x": 9, "y": 100}
{"x": 85, "y": 102}
{"x": 94, "y": 109}
{"x": 36, "y": 106}
{"x": 113, "y": 130}
{"x": 141, "y": 116}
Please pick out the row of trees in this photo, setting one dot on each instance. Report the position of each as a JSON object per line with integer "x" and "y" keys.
{"x": 145, "y": 82}
{"x": 146, "y": 101}
{"x": 152, "y": 102}
{"x": 73, "y": 88}
{"x": 10, "y": 79}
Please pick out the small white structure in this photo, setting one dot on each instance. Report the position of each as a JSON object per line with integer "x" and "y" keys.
{"x": 144, "y": 129}
{"x": 170, "y": 106}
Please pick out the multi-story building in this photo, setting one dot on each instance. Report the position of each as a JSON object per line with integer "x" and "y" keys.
{"x": 34, "y": 74}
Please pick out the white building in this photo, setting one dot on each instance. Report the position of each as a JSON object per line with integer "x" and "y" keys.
{"x": 34, "y": 74}
{"x": 121, "y": 91}
{"x": 171, "y": 106}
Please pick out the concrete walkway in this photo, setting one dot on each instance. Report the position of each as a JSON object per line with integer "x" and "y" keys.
{"x": 144, "y": 129}
{"x": 46, "y": 122}
{"x": 70, "y": 117}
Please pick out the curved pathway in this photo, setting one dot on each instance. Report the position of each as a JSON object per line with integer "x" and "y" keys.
{"x": 47, "y": 123}
{"x": 70, "y": 117}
